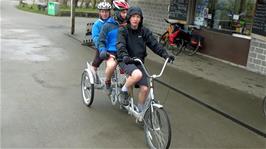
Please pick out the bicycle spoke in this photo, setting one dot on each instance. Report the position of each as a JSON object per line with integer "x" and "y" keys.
{"x": 160, "y": 138}
{"x": 87, "y": 89}
{"x": 87, "y": 93}
{"x": 157, "y": 129}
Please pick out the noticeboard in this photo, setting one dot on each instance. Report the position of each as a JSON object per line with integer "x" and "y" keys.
{"x": 259, "y": 25}
{"x": 178, "y": 10}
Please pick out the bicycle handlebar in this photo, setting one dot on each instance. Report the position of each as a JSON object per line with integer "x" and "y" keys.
{"x": 194, "y": 27}
{"x": 146, "y": 71}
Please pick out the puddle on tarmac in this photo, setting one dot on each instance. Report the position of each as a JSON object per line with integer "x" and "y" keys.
{"x": 20, "y": 44}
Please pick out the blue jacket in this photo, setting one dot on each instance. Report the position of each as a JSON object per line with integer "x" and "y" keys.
{"x": 108, "y": 36}
{"x": 96, "y": 29}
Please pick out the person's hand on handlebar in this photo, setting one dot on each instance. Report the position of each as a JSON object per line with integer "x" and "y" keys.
{"x": 128, "y": 60}
{"x": 105, "y": 55}
{"x": 171, "y": 57}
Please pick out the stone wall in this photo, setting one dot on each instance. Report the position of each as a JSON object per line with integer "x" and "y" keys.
{"x": 153, "y": 11}
{"x": 257, "y": 56}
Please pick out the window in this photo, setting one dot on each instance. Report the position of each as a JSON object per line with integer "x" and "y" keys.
{"x": 201, "y": 12}
{"x": 232, "y": 16}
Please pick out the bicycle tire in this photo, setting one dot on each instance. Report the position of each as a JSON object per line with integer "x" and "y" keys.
{"x": 155, "y": 127}
{"x": 192, "y": 50}
{"x": 163, "y": 40}
{"x": 179, "y": 46}
{"x": 87, "y": 89}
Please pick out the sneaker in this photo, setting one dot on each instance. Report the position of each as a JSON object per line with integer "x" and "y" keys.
{"x": 140, "y": 108}
{"x": 124, "y": 98}
{"x": 108, "y": 88}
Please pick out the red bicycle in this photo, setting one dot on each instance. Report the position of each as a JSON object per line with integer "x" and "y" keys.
{"x": 167, "y": 38}
{"x": 178, "y": 39}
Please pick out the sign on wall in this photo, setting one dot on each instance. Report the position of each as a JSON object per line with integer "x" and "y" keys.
{"x": 178, "y": 10}
{"x": 259, "y": 25}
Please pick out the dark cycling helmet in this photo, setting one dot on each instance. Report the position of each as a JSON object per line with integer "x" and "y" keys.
{"x": 120, "y": 5}
{"x": 104, "y": 6}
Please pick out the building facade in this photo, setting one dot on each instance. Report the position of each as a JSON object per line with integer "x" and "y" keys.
{"x": 233, "y": 30}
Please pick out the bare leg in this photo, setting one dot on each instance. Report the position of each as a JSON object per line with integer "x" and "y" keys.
{"x": 110, "y": 68}
{"x": 143, "y": 92}
{"x": 133, "y": 78}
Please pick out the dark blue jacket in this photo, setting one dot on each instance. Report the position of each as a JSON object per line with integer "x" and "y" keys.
{"x": 108, "y": 36}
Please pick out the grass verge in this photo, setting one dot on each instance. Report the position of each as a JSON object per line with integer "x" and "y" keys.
{"x": 34, "y": 9}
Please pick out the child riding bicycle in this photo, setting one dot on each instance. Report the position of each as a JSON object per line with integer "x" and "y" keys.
{"x": 108, "y": 39}
{"x": 132, "y": 42}
{"x": 104, "y": 14}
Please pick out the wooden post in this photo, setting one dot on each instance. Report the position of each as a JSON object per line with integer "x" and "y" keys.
{"x": 72, "y": 17}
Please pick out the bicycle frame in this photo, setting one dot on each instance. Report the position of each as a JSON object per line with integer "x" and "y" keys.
{"x": 117, "y": 85}
{"x": 153, "y": 110}
{"x": 92, "y": 76}
{"x": 88, "y": 70}
{"x": 150, "y": 101}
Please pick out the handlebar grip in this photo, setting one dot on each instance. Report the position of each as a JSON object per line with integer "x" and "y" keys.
{"x": 105, "y": 55}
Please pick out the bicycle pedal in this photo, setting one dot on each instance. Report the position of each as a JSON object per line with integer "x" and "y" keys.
{"x": 99, "y": 86}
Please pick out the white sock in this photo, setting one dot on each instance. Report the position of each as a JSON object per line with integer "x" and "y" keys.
{"x": 140, "y": 107}
{"x": 124, "y": 89}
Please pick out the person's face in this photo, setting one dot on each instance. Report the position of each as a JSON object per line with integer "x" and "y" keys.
{"x": 135, "y": 20}
{"x": 104, "y": 14}
{"x": 123, "y": 14}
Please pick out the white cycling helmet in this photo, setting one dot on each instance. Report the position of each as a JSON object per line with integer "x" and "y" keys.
{"x": 104, "y": 6}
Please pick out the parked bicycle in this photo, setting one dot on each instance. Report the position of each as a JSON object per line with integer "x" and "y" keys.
{"x": 157, "y": 127}
{"x": 178, "y": 39}
{"x": 166, "y": 40}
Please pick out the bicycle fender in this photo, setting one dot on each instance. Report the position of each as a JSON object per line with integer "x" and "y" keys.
{"x": 157, "y": 105}
{"x": 90, "y": 76}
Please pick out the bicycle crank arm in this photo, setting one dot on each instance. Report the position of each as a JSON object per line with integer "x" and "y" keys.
{"x": 157, "y": 105}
